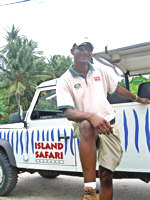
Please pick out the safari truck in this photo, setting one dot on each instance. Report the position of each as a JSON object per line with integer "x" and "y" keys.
{"x": 43, "y": 140}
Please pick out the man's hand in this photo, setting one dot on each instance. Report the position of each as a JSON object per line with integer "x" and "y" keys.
{"x": 122, "y": 91}
{"x": 100, "y": 124}
{"x": 143, "y": 100}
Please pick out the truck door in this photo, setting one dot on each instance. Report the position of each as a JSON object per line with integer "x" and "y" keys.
{"x": 50, "y": 136}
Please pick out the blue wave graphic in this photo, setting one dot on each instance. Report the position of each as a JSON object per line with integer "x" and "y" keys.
{"x": 43, "y": 138}
{"x": 52, "y": 135}
{"x": 65, "y": 135}
{"x": 4, "y": 135}
{"x": 8, "y": 135}
{"x": 38, "y": 135}
{"x": 12, "y": 140}
{"x": 147, "y": 129}
{"x": 125, "y": 130}
{"x": 47, "y": 135}
{"x": 78, "y": 142}
{"x": 136, "y": 130}
{"x": 27, "y": 141}
{"x": 21, "y": 142}
{"x": 71, "y": 142}
{"x": 58, "y": 133}
{"x": 17, "y": 141}
{"x": 24, "y": 140}
{"x": 32, "y": 141}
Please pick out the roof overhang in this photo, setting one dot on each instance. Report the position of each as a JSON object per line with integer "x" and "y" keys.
{"x": 134, "y": 60}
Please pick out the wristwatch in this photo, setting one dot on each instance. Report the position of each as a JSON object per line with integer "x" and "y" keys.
{"x": 136, "y": 98}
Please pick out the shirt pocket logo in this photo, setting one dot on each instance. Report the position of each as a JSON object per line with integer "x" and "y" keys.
{"x": 77, "y": 86}
{"x": 97, "y": 78}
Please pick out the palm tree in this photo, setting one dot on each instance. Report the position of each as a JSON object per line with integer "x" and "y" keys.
{"x": 3, "y": 108}
{"x": 21, "y": 67}
{"x": 58, "y": 65}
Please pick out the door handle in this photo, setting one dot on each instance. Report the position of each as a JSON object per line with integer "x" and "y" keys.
{"x": 64, "y": 137}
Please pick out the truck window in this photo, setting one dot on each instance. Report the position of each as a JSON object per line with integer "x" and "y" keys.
{"x": 46, "y": 106}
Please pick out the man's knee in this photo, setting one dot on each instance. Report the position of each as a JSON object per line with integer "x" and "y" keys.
{"x": 86, "y": 129}
{"x": 85, "y": 125}
{"x": 105, "y": 176}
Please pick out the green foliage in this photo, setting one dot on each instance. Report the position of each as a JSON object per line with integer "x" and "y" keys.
{"x": 58, "y": 65}
{"x": 134, "y": 83}
{"x": 4, "y": 121}
{"x": 122, "y": 82}
{"x": 22, "y": 68}
{"x": 47, "y": 101}
{"x": 3, "y": 108}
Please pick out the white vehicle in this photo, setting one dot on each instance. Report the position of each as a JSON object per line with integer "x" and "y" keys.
{"x": 44, "y": 140}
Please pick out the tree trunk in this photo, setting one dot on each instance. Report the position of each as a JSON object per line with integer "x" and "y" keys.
{"x": 18, "y": 98}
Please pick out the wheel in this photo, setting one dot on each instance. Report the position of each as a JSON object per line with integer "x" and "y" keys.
{"x": 8, "y": 175}
{"x": 49, "y": 174}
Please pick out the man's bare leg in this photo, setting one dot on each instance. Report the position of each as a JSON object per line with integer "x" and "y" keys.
{"x": 106, "y": 186}
{"x": 88, "y": 151}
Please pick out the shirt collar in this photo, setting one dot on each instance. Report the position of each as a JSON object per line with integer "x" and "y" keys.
{"x": 75, "y": 74}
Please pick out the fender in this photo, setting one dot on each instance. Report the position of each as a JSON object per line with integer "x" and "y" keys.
{"x": 4, "y": 144}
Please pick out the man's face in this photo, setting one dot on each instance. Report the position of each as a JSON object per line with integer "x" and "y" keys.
{"x": 82, "y": 54}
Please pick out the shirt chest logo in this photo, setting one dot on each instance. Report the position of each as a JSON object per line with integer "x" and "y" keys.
{"x": 77, "y": 86}
{"x": 97, "y": 78}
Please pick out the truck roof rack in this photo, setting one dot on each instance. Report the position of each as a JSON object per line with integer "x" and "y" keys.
{"x": 134, "y": 59}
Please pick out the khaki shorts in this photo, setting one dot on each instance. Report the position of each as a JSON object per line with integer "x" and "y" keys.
{"x": 109, "y": 150}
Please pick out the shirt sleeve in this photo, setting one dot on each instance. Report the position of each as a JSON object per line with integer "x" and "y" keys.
{"x": 112, "y": 81}
{"x": 63, "y": 92}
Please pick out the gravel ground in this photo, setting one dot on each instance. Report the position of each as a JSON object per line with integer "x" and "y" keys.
{"x": 34, "y": 187}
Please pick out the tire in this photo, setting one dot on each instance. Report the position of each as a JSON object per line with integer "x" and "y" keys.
{"x": 8, "y": 175}
{"x": 49, "y": 174}
{"x": 15, "y": 118}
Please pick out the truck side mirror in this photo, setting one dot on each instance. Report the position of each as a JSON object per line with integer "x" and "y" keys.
{"x": 20, "y": 112}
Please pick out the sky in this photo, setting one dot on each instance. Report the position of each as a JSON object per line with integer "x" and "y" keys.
{"x": 57, "y": 24}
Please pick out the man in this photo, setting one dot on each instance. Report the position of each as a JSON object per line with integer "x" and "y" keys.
{"x": 82, "y": 95}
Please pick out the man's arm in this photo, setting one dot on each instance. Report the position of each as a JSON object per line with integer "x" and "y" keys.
{"x": 122, "y": 91}
{"x": 99, "y": 123}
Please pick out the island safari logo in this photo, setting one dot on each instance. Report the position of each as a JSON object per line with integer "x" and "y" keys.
{"x": 49, "y": 152}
